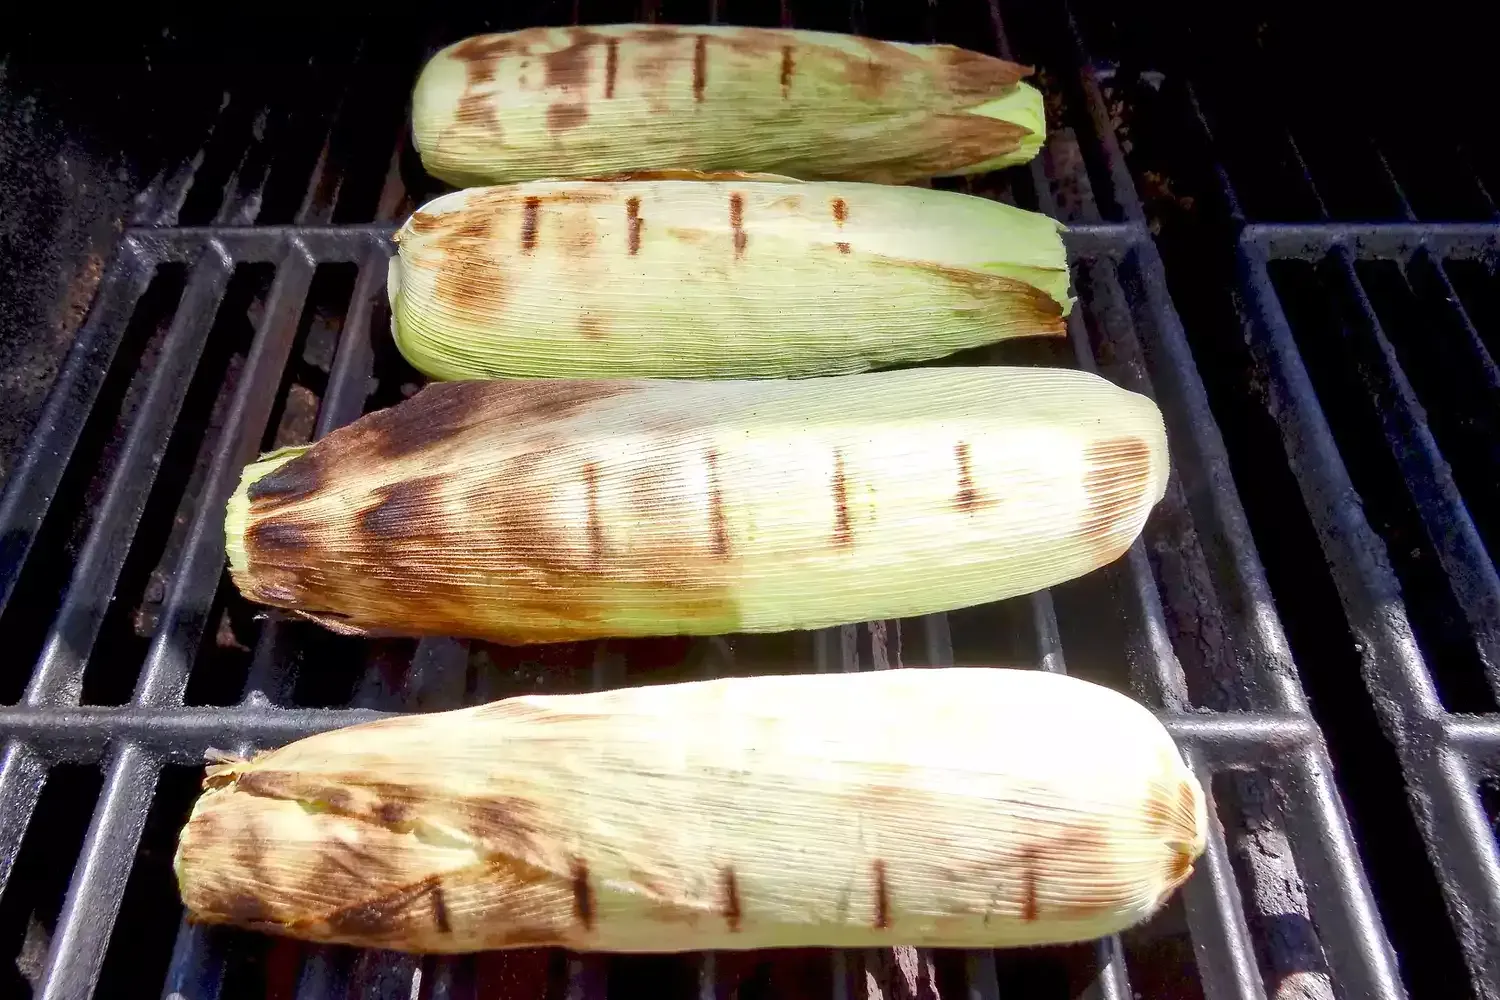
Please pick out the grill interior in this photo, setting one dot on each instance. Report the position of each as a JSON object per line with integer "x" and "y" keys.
{"x": 1312, "y": 608}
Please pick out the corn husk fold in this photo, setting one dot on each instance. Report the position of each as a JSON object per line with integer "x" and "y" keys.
{"x": 720, "y": 277}
{"x": 576, "y": 102}
{"x": 557, "y": 509}
{"x": 956, "y": 807}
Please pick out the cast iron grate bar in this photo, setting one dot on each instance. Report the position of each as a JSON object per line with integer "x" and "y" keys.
{"x": 132, "y": 742}
{"x": 1442, "y": 754}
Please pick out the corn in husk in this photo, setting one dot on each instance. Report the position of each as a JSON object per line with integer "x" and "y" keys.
{"x": 578, "y": 102}
{"x": 743, "y": 277}
{"x": 962, "y": 807}
{"x": 555, "y": 509}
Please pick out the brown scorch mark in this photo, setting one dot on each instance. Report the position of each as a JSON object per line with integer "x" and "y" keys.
{"x": 844, "y": 247}
{"x": 480, "y": 54}
{"x": 882, "y": 896}
{"x": 968, "y": 499}
{"x": 562, "y": 117}
{"x": 591, "y": 327}
{"x": 568, "y": 68}
{"x": 595, "y": 520}
{"x": 1030, "y": 904}
{"x": 439, "y": 903}
{"x": 786, "y": 72}
{"x": 269, "y": 540}
{"x": 529, "y": 223}
{"x": 611, "y": 66}
{"x": 583, "y": 894}
{"x": 1118, "y": 474}
{"x": 718, "y": 526}
{"x": 841, "y": 213}
{"x": 843, "y": 535}
{"x": 633, "y": 225}
{"x": 700, "y": 67}
{"x": 402, "y": 510}
{"x": 737, "y": 222}
{"x": 733, "y": 914}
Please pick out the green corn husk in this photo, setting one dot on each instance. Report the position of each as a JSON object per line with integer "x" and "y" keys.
{"x": 735, "y": 276}
{"x": 546, "y": 510}
{"x": 578, "y": 102}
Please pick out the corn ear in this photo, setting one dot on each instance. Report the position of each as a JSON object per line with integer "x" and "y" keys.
{"x": 556, "y": 509}
{"x": 715, "y": 278}
{"x": 948, "y": 807}
{"x": 576, "y": 102}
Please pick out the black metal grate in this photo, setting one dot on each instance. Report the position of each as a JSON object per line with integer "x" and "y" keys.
{"x": 244, "y": 307}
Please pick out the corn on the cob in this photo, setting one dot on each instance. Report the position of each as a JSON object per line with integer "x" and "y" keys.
{"x": 553, "y": 509}
{"x": 944, "y": 807}
{"x": 742, "y": 277}
{"x": 576, "y": 102}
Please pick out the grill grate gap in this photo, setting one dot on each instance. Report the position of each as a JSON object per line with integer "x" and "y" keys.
{"x": 1462, "y": 409}
{"x": 131, "y": 618}
{"x": 39, "y": 591}
{"x": 34, "y": 896}
{"x": 1479, "y": 291}
{"x": 151, "y": 907}
{"x": 1315, "y": 298}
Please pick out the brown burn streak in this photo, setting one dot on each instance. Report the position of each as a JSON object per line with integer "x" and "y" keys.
{"x": 840, "y": 214}
{"x": 718, "y": 525}
{"x": 737, "y": 222}
{"x": 595, "y": 523}
{"x": 882, "y": 896}
{"x": 583, "y": 894}
{"x": 733, "y": 912}
{"x": 1030, "y": 905}
{"x": 633, "y": 225}
{"x": 278, "y": 537}
{"x": 700, "y": 67}
{"x": 1119, "y": 472}
{"x": 843, "y": 534}
{"x": 568, "y": 68}
{"x": 402, "y": 510}
{"x": 530, "y": 221}
{"x": 562, "y": 117}
{"x": 611, "y": 66}
{"x": 787, "y": 67}
{"x": 968, "y": 499}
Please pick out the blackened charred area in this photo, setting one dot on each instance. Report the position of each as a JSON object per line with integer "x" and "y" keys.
{"x": 296, "y": 479}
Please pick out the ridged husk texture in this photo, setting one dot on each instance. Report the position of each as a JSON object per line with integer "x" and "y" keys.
{"x": 576, "y": 102}
{"x": 962, "y": 807}
{"x": 732, "y": 276}
{"x": 551, "y": 509}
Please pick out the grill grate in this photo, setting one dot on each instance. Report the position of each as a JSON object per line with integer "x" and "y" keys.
{"x": 1187, "y": 620}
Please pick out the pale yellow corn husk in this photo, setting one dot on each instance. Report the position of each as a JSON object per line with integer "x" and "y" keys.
{"x": 956, "y": 807}
{"x": 743, "y": 277}
{"x": 575, "y": 102}
{"x": 556, "y": 509}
